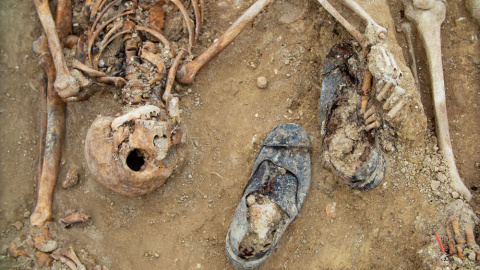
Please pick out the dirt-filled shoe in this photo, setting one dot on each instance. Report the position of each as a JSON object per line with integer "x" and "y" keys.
{"x": 350, "y": 147}
{"x": 272, "y": 198}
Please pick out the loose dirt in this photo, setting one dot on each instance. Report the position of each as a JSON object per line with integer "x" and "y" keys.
{"x": 183, "y": 224}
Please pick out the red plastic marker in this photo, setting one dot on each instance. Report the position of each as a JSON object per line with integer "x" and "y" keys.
{"x": 440, "y": 243}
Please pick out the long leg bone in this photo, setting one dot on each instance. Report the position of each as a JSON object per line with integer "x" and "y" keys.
{"x": 54, "y": 135}
{"x": 65, "y": 83}
{"x": 186, "y": 73}
{"x": 428, "y": 23}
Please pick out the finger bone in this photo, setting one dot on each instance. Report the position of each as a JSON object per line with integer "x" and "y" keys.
{"x": 373, "y": 125}
{"x": 386, "y": 87}
{"x": 396, "y": 109}
{"x": 397, "y": 93}
{"x": 370, "y": 119}
{"x": 451, "y": 241}
{"x": 458, "y": 238}
{"x": 370, "y": 111}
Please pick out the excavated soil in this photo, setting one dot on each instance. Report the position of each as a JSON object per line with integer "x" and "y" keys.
{"x": 183, "y": 224}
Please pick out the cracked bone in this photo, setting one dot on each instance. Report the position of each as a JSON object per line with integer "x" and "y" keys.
{"x": 65, "y": 84}
{"x": 144, "y": 111}
{"x": 428, "y": 23}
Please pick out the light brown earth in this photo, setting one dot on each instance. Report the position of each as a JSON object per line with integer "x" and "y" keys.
{"x": 183, "y": 224}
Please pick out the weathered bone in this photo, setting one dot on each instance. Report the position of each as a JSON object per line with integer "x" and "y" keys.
{"x": 471, "y": 243}
{"x": 428, "y": 23}
{"x": 188, "y": 22}
{"x": 350, "y": 28}
{"x": 73, "y": 216}
{"x": 87, "y": 70}
{"x": 451, "y": 241}
{"x": 458, "y": 239}
{"x": 379, "y": 31}
{"x": 69, "y": 253}
{"x": 144, "y": 111}
{"x": 187, "y": 72}
{"x": 407, "y": 32}
{"x": 65, "y": 83}
{"x": 54, "y": 138}
{"x": 198, "y": 18}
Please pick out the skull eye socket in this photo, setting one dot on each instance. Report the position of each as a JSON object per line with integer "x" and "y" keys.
{"x": 135, "y": 160}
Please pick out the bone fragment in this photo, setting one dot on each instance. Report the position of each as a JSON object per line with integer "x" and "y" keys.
{"x": 471, "y": 243}
{"x": 370, "y": 112}
{"x": 54, "y": 139}
{"x": 371, "y": 119}
{"x": 167, "y": 95}
{"x": 65, "y": 84}
{"x": 407, "y": 31}
{"x": 118, "y": 82}
{"x": 367, "y": 85}
{"x": 71, "y": 179}
{"x": 458, "y": 239}
{"x": 380, "y": 31}
{"x": 159, "y": 36}
{"x": 189, "y": 23}
{"x": 95, "y": 8}
{"x": 16, "y": 252}
{"x": 386, "y": 87}
{"x": 64, "y": 18}
{"x": 198, "y": 18}
{"x": 43, "y": 259}
{"x": 396, "y": 109}
{"x": 72, "y": 217}
{"x": 428, "y": 23}
{"x": 373, "y": 125}
{"x": 83, "y": 82}
{"x": 87, "y": 70}
{"x": 69, "y": 253}
{"x": 352, "y": 30}
{"x": 451, "y": 241}
{"x": 396, "y": 95}
{"x": 145, "y": 111}
{"x": 186, "y": 73}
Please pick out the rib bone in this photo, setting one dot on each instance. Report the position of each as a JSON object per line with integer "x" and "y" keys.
{"x": 65, "y": 84}
{"x": 187, "y": 72}
{"x": 428, "y": 23}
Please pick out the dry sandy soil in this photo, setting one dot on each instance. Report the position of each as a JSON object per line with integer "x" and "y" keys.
{"x": 183, "y": 224}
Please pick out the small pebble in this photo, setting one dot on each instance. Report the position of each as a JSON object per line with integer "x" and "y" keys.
{"x": 262, "y": 82}
{"x": 441, "y": 177}
{"x": 472, "y": 256}
{"x": 435, "y": 184}
{"x": 331, "y": 211}
{"x": 18, "y": 225}
{"x": 26, "y": 214}
{"x": 71, "y": 179}
{"x": 455, "y": 195}
{"x": 157, "y": 255}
